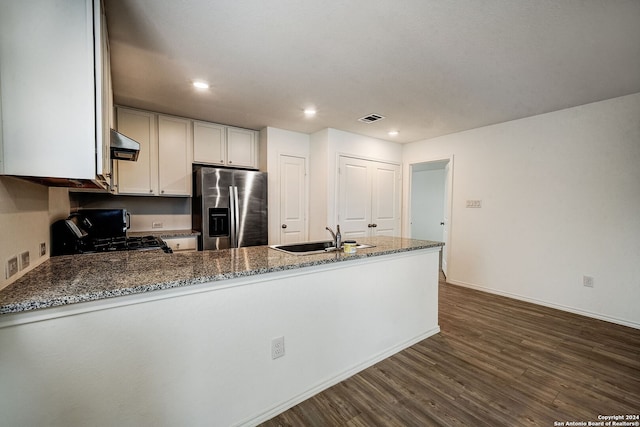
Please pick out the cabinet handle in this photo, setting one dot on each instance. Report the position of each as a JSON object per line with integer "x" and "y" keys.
{"x": 150, "y": 191}
{"x": 230, "y": 162}
{"x": 162, "y": 191}
{"x": 374, "y": 225}
{"x": 221, "y": 161}
{"x": 284, "y": 225}
{"x": 369, "y": 225}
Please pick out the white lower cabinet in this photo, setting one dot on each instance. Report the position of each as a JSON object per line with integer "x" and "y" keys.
{"x": 178, "y": 244}
{"x": 163, "y": 167}
{"x": 368, "y": 198}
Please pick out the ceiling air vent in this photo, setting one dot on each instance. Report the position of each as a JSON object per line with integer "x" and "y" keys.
{"x": 371, "y": 118}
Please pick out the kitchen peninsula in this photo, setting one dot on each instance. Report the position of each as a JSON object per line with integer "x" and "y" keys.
{"x": 189, "y": 337}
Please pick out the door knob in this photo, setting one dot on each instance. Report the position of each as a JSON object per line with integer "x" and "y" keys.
{"x": 284, "y": 225}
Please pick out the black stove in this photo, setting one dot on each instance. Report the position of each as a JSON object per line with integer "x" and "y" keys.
{"x": 124, "y": 243}
{"x": 99, "y": 230}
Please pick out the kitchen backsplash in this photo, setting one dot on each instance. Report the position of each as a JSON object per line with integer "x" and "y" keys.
{"x": 147, "y": 213}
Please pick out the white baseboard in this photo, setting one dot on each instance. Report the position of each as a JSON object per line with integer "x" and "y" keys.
{"x": 265, "y": 416}
{"x": 574, "y": 310}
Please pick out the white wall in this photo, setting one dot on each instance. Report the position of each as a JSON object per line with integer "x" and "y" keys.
{"x": 273, "y": 143}
{"x": 319, "y": 189}
{"x": 560, "y": 199}
{"x": 26, "y": 213}
{"x": 326, "y": 146}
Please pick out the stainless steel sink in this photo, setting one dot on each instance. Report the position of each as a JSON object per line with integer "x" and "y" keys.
{"x": 311, "y": 247}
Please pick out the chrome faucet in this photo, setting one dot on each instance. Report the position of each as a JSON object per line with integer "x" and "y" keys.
{"x": 337, "y": 237}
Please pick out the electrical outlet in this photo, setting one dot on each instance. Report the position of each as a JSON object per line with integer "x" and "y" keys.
{"x": 587, "y": 281}
{"x": 24, "y": 260}
{"x": 474, "y": 203}
{"x": 12, "y": 266}
{"x": 43, "y": 249}
{"x": 277, "y": 347}
{"x": 157, "y": 225}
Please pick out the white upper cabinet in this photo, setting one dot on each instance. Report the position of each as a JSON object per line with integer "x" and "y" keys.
{"x": 242, "y": 146}
{"x": 141, "y": 176}
{"x": 53, "y": 73}
{"x": 163, "y": 167}
{"x": 174, "y": 156}
{"x": 224, "y": 145}
{"x": 209, "y": 143}
{"x": 170, "y": 145}
{"x": 104, "y": 98}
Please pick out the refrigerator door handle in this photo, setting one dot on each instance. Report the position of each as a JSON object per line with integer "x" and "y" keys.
{"x": 237, "y": 216}
{"x": 233, "y": 218}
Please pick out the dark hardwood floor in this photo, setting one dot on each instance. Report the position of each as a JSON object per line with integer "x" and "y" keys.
{"x": 496, "y": 362}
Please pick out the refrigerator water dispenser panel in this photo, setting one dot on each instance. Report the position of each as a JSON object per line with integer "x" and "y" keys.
{"x": 218, "y": 222}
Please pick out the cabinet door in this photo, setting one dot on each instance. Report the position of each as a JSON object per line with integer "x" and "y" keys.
{"x": 47, "y": 71}
{"x": 385, "y": 199}
{"x": 141, "y": 176}
{"x": 209, "y": 143}
{"x": 241, "y": 148}
{"x": 174, "y": 160}
{"x": 354, "y": 197}
{"x": 178, "y": 244}
{"x": 104, "y": 95}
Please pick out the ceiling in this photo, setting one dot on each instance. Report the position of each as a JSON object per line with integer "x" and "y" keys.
{"x": 431, "y": 67}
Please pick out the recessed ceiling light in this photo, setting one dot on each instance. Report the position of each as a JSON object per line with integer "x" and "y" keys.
{"x": 310, "y": 112}
{"x": 393, "y": 133}
{"x": 201, "y": 85}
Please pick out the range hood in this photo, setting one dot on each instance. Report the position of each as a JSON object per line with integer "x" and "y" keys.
{"x": 123, "y": 147}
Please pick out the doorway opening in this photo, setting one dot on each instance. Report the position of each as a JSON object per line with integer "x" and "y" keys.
{"x": 430, "y": 204}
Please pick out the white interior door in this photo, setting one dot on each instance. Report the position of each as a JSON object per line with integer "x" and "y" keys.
{"x": 447, "y": 216}
{"x": 293, "y": 196}
{"x": 385, "y": 199}
{"x": 427, "y": 202}
{"x": 431, "y": 195}
{"x": 354, "y": 197}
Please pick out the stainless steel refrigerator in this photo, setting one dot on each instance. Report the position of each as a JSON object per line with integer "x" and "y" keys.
{"x": 229, "y": 207}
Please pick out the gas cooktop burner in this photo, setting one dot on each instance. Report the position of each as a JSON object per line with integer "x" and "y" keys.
{"x": 123, "y": 243}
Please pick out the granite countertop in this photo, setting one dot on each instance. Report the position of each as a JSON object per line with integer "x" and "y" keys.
{"x": 73, "y": 279}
